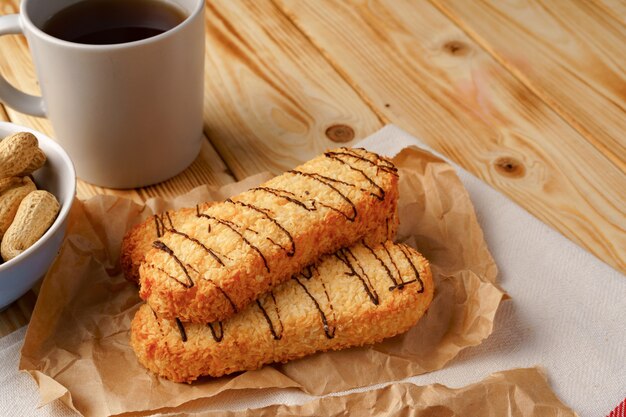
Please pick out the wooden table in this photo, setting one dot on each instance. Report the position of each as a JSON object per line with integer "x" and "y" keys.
{"x": 530, "y": 96}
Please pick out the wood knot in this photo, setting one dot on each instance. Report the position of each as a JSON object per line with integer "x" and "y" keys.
{"x": 456, "y": 48}
{"x": 509, "y": 167}
{"x": 340, "y": 133}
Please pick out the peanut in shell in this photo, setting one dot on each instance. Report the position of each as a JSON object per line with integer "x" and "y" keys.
{"x": 34, "y": 216}
{"x": 17, "y": 153}
{"x": 12, "y": 191}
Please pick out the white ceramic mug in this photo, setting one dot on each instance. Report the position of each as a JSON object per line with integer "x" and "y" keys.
{"x": 128, "y": 114}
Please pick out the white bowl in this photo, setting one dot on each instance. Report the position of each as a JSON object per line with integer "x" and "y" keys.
{"x": 57, "y": 176}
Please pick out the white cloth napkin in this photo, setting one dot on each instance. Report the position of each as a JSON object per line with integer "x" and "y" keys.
{"x": 567, "y": 314}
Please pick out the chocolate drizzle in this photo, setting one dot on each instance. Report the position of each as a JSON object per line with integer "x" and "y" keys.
{"x": 181, "y": 329}
{"x": 337, "y": 200}
{"x": 417, "y": 274}
{"x": 158, "y": 268}
{"x": 307, "y": 272}
{"x": 384, "y": 265}
{"x": 347, "y": 257}
{"x": 380, "y": 194}
{"x": 292, "y": 245}
{"x": 158, "y": 322}
{"x": 230, "y": 300}
{"x": 197, "y": 242}
{"x": 401, "y": 285}
{"x": 289, "y": 196}
{"x": 159, "y": 222}
{"x": 330, "y": 333}
{"x": 163, "y": 247}
{"x": 327, "y": 182}
{"x": 344, "y": 256}
{"x": 216, "y": 331}
{"x": 384, "y": 165}
{"x": 232, "y": 226}
{"x": 220, "y": 289}
{"x": 340, "y": 157}
{"x": 276, "y": 335}
{"x": 398, "y": 284}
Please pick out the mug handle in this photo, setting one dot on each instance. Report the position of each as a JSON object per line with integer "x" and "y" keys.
{"x": 11, "y": 96}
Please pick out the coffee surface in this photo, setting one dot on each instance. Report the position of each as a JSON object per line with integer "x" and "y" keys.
{"x": 106, "y": 22}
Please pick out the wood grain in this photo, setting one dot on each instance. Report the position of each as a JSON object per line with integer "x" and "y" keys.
{"x": 423, "y": 73}
{"x": 270, "y": 96}
{"x": 571, "y": 54}
{"x": 615, "y": 8}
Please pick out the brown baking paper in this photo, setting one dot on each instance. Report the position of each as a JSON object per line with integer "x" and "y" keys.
{"x": 515, "y": 393}
{"x": 77, "y": 345}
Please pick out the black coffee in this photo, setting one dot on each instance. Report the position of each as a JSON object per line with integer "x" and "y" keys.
{"x": 106, "y": 22}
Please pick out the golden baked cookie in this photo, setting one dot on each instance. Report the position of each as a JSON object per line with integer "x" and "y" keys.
{"x": 223, "y": 257}
{"x": 357, "y": 296}
{"x": 138, "y": 241}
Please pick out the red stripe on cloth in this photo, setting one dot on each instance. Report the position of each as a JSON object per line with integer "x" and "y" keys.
{"x": 619, "y": 411}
